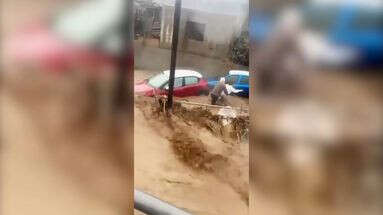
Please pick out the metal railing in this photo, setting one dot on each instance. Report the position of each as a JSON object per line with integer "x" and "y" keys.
{"x": 150, "y": 205}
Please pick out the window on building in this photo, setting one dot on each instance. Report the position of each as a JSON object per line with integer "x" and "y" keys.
{"x": 195, "y": 31}
{"x": 191, "y": 80}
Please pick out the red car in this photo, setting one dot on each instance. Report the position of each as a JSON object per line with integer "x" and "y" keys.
{"x": 84, "y": 36}
{"x": 186, "y": 83}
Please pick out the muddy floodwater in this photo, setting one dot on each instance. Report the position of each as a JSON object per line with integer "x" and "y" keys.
{"x": 190, "y": 159}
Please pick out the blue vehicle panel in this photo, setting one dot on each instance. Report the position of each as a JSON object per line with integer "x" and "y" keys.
{"x": 243, "y": 84}
{"x": 261, "y": 24}
{"x": 240, "y": 82}
{"x": 342, "y": 25}
{"x": 361, "y": 29}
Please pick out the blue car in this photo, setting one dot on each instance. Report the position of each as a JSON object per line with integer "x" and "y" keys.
{"x": 357, "y": 28}
{"x": 237, "y": 78}
{"x": 260, "y": 26}
{"x": 340, "y": 33}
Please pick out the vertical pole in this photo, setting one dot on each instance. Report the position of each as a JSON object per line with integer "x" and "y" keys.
{"x": 125, "y": 65}
{"x": 176, "y": 24}
{"x": 122, "y": 130}
{"x": 253, "y": 4}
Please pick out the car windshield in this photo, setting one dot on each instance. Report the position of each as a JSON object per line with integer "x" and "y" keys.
{"x": 368, "y": 20}
{"x": 158, "y": 80}
{"x": 319, "y": 18}
{"x": 90, "y": 21}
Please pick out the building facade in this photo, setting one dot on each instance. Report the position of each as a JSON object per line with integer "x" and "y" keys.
{"x": 201, "y": 32}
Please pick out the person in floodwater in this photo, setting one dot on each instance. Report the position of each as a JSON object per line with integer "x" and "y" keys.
{"x": 218, "y": 90}
{"x": 279, "y": 61}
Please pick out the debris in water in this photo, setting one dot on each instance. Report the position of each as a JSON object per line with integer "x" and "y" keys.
{"x": 193, "y": 153}
{"x": 227, "y": 112}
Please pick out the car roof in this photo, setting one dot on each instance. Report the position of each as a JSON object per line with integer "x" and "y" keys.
{"x": 371, "y": 4}
{"x": 184, "y": 73}
{"x": 238, "y": 72}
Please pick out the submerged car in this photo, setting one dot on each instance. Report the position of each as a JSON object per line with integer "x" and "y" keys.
{"x": 337, "y": 33}
{"x": 86, "y": 34}
{"x": 238, "y": 79}
{"x": 344, "y": 33}
{"x": 186, "y": 83}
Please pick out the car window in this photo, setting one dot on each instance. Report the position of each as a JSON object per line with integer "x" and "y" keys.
{"x": 368, "y": 20}
{"x": 319, "y": 18}
{"x": 178, "y": 82}
{"x": 88, "y": 21}
{"x": 244, "y": 80}
{"x": 191, "y": 80}
{"x": 158, "y": 80}
{"x": 232, "y": 79}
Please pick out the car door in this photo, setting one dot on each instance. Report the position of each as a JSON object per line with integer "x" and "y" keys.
{"x": 232, "y": 80}
{"x": 243, "y": 84}
{"x": 361, "y": 29}
{"x": 178, "y": 86}
{"x": 191, "y": 86}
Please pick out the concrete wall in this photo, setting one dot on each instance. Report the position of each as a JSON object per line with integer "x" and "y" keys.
{"x": 158, "y": 59}
{"x": 219, "y": 31}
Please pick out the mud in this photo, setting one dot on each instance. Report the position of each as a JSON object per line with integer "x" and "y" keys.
{"x": 241, "y": 127}
{"x": 188, "y": 131}
{"x": 199, "y": 116}
{"x": 237, "y": 130}
{"x": 192, "y": 152}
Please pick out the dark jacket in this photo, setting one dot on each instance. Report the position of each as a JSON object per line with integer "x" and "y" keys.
{"x": 219, "y": 88}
